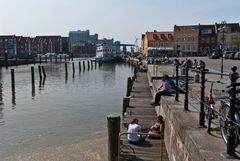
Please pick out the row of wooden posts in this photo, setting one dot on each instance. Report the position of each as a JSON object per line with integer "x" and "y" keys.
{"x": 89, "y": 62}
{"x": 42, "y": 73}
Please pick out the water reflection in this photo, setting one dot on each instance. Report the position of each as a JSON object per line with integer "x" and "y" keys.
{"x": 33, "y": 90}
{"x": 109, "y": 72}
{"x": 2, "y": 122}
{"x": 61, "y": 112}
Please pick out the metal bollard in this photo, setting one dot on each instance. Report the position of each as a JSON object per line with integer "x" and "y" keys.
{"x": 231, "y": 131}
{"x": 202, "y": 113}
{"x": 177, "y": 63}
{"x": 186, "y": 90}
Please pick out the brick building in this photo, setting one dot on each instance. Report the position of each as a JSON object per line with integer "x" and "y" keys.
{"x": 158, "y": 43}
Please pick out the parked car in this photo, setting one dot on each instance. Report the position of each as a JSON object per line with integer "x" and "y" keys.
{"x": 237, "y": 56}
{"x": 214, "y": 55}
{"x": 228, "y": 54}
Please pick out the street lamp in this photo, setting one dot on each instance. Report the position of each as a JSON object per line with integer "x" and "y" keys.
{"x": 222, "y": 30}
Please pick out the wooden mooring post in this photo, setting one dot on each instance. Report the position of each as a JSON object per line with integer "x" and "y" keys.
{"x": 44, "y": 73}
{"x": 88, "y": 64}
{"x": 12, "y": 79}
{"x": 129, "y": 86}
{"x": 79, "y": 65}
{"x": 32, "y": 74}
{"x": 113, "y": 132}
{"x": 40, "y": 72}
{"x": 66, "y": 70}
{"x": 73, "y": 68}
{"x": 126, "y": 101}
{"x": 83, "y": 65}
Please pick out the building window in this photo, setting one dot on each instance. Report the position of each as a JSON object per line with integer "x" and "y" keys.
{"x": 189, "y": 47}
{"x": 202, "y": 40}
{"x": 193, "y": 48}
{"x": 207, "y": 40}
{"x": 189, "y": 38}
{"x": 183, "y": 47}
{"x": 178, "y": 38}
{"x": 183, "y": 38}
{"x": 170, "y": 36}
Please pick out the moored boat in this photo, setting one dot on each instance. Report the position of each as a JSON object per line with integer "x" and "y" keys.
{"x": 108, "y": 53}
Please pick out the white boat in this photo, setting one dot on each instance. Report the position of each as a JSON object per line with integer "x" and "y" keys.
{"x": 107, "y": 53}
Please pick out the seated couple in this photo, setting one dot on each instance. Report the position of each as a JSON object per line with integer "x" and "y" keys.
{"x": 155, "y": 131}
{"x": 166, "y": 88}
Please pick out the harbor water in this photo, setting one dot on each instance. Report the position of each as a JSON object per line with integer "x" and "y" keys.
{"x": 60, "y": 110}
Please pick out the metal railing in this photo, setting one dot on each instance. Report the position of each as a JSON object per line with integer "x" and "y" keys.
{"x": 230, "y": 152}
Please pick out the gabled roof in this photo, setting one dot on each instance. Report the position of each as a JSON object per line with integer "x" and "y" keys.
{"x": 160, "y": 36}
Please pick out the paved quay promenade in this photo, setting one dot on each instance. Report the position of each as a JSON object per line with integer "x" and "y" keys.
{"x": 183, "y": 138}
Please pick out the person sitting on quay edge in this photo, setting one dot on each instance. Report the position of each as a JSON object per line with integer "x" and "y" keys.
{"x": 164, "y": 89}
{"x": 156, "y": 131}
{"x": 134, "y": 127}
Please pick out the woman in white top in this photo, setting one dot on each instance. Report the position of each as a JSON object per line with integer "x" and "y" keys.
{"x": 134, "y": 127}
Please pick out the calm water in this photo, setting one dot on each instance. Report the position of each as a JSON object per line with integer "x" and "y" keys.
{"x": 60, "y": 111}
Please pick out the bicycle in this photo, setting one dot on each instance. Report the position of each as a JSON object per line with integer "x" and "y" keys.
{"x": 211, "y": 112}
{"x": 225, "y": 122}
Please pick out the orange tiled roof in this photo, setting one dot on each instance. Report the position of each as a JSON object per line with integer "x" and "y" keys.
{"x": 160, "y": 36}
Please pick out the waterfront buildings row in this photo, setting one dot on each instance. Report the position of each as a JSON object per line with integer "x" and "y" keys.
{"x": 79, "y": 43}
{"x": 12, "y": 46}
{"x": 192, "y": 40}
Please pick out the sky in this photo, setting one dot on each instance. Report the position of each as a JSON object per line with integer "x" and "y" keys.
{"x": 123, "y": 20}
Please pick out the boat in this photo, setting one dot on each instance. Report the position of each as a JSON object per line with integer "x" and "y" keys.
{"x": 108, "y": 53}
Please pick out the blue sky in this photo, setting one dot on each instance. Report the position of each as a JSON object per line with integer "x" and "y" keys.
{"x": 119, "y": 19}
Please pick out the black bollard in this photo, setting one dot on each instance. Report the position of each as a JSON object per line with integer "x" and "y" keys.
{"x": 232, "y": 111}
{"x": 60, "y": 58}
{"x": 113, "y": 133}
{"x": 177, "y": 63}
{"x": 43, "y": 70}
{"x": 202, "y": 113}
{"x": 40, "y": 72}
{"x": 186, "y": 90}
{"x": 12, "y": 79}
{"x": 32, "y": 74}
